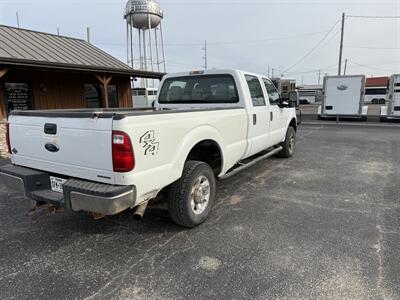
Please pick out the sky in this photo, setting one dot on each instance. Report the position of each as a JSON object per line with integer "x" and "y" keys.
{"x": 296, "y": 38}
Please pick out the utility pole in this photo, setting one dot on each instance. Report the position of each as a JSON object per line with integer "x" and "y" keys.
{"x": 341, "y": 45}
{"x": 58, "y": 31}
{"x": 319, "y": 77}
{"x": 269, "y": 69}
{"x": 302, "y": 79}
{"x": 88, "y": 34}
{"x": 273, "y": 71}
{"x": 205, "y": 55}
{"x": 345, "y": 66}
{"x": 17, "y": 19}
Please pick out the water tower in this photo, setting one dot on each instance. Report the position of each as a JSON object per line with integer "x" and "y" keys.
{"x": 146, "y": 17}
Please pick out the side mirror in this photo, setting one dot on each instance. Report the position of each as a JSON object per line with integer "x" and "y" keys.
{"x": 293, "y": 99}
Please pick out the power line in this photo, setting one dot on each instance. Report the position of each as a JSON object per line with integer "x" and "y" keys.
{"x": 369, "y": 66}
{"x": 375, "y": 17}
{"x": 228, "y": 42}
{"x": 313, "y": 49}
{"x": 312, "y": 71}
{"x": 373, "y": 48}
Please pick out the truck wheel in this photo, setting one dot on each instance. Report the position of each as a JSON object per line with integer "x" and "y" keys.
{"x": 289, "y": 144}
{"x": 191, "y": 197}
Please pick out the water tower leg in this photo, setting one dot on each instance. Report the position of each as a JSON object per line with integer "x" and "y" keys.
{"x": 140, "y": 55}
{"x": 157, "y": 54}
{"x": 131, "y": 41}
{"x": 162, "y": 47}
{"x": 150, "y": 42}
{"x": 127, "y": 43}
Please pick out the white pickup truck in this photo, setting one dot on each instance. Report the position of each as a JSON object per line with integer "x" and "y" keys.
{"x": 204, "y": 126}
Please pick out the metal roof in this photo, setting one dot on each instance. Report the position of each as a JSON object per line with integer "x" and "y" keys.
{"x": 377, "y": 81}
{"x": 22, "y": 47}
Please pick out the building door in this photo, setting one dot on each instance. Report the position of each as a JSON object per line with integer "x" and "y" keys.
{"x": 18, "y": 96}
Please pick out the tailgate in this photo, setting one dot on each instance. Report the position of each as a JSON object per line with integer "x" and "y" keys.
{"x": 74, "y": 146}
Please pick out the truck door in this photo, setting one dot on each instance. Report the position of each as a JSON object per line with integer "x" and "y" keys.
{"x": 278, "y": 115}
{"x": 258, "y": 117}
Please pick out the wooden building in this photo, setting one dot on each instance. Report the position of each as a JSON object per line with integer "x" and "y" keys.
{"x": 45, "y": 71}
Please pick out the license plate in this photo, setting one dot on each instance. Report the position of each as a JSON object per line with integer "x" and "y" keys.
{"x": 57, "y": 184}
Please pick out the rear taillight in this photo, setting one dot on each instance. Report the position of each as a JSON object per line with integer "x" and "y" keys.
{"x": 8, "y": 137}
{"x": 122, "y": 152}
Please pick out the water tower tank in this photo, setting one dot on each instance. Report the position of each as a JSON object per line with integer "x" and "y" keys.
{"x": 138, "y": 12}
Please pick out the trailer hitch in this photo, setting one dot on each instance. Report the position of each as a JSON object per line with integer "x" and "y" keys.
{"x": 35, "y": 210}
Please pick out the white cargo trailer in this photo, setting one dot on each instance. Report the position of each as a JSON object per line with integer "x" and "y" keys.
{"x": 392, "y": 109}
{"x": 343, "y": 97}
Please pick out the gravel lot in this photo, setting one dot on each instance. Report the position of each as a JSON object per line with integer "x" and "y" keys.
{"x": 324, "y": 224}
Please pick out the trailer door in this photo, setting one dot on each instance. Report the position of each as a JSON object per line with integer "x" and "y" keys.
{"x": 344, "y": 95}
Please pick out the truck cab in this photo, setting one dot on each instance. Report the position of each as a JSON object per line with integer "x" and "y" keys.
{"x": 267, "y": 112}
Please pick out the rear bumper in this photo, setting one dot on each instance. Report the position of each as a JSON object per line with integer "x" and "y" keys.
{"x": 78, "y": 195}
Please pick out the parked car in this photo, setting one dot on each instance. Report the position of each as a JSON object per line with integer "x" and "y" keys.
{"x": 205, "y": 126}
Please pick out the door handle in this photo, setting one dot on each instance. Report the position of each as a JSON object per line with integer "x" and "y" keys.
{"x": 254, "y": 119}
{"x": 271, "y": 116}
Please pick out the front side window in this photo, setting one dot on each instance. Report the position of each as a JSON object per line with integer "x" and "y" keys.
{"x": 207, "y": 89}
{"x": 273, "y": 94}
{"x": 256, "y": 92}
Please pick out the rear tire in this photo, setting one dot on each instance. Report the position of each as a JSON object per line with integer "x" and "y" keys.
{"x": 289, "y": 144}
{"x": 192, "y": 196}
{"x": 382, "y": 119}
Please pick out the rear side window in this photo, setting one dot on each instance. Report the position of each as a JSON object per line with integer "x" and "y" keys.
{"x": 256, "y": 92}
{"x": 208, "y": 89}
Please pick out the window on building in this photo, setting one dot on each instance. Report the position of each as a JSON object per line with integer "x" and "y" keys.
{"x": 94, "y": 95}
{"x": 112, "y": 96}
{"x": 18, "y": 96}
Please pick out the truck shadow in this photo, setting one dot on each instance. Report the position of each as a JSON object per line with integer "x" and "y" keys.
{"x": 156, "y": 219}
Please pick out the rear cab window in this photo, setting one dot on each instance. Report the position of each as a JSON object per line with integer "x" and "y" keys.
{"x": 207, "y": 89}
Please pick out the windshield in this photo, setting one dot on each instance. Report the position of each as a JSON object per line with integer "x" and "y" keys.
{"x": 199, "y": 89}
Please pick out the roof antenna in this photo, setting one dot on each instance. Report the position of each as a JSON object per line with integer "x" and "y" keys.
{"x": 17, "y": 19}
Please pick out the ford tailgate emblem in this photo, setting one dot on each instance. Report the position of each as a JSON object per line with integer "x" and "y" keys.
{"x": 51, "y": 147}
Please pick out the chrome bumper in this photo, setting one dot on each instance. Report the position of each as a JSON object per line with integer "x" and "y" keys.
{"x": 102, "y": 205}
